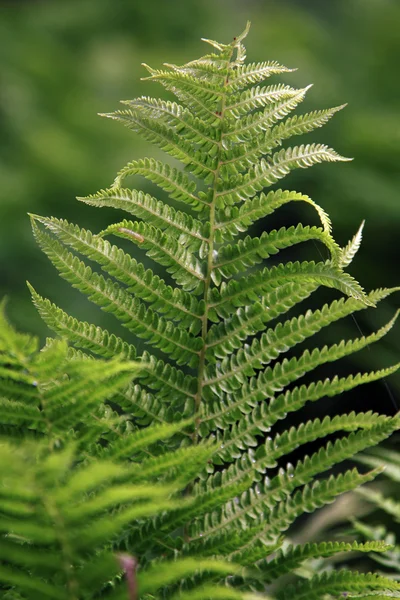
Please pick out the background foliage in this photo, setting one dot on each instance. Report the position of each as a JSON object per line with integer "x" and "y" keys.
{"x": 63, "y": 62}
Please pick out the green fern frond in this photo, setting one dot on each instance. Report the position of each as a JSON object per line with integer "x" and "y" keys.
{"x": 265, "y": 142}
{"x": 163, "y": 377}
{"x": 198, "y": 420}
{"x": 292, "y": 557}
{"x": 306, "y": 500}
{"x": 199, "y": 162}
{"x": 59, "y": 548}
{"x": 52, "y": 396}
{"x": 339, "y": 582}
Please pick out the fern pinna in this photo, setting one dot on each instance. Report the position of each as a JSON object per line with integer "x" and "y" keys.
{"x": 219, "y": 357}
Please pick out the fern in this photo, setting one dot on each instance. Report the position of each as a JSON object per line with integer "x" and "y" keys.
{"x": 387, "y": 503}
{"x": 212, "y": 354}
{"x": 84, "y": 478}
{"x": 59, "y": 525}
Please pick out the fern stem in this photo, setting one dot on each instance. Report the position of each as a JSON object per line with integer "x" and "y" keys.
{"x": 207, "y": 285}
{"x": 210, "y": 259}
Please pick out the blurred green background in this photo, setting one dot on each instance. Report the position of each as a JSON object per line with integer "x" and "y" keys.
{"x": 62, "y": 62}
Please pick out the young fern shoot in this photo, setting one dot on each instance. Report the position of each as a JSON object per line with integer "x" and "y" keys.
{"x": 217, "y": 338}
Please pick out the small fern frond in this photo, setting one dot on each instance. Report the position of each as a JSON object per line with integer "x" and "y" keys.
{"x": 339, "y": 582}
{"x": 56, "y": 526}
{"x": 293, "y": 556}
{"x": 48, "y": 394}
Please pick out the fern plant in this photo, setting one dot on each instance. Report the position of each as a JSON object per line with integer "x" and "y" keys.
{"x": 213, "y": 353}
{"x": 387, "y": 503}
{"x": 63, "y": 510}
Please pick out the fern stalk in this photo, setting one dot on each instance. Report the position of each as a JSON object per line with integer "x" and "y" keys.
{"x": 210, "y": 257}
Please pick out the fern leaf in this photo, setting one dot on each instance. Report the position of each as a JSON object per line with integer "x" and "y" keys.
{"x": 247, "y": 154}
{"x": 266, "y": 173}
{"x": 305, "y": 500}
{"x": 292, "y": 557}
{"x": 143, "y": 439}
{"x": 183, "y": 266}
{"x": 179, "y": 466}
{"x": 244, "y": 434}
{"x": 299, "y": 125}
{"x": 144, "y": 206}
{"x": 230, "y": 373}
{"x": 167, "y": 139}
{"x": 254, "y": 73}
{"x": 179, "y": 117}
{"x": 234, "y": 220}
{"x": 132, "y": 314}
{"x": 253, "y": 124}
{"x": 173, "y": 302}
{"x": 228, "y": 335}
{"x": 339, "y": 582}
{"x": 272, "y": 380}
{"x": 235, "y": 294}
{"x": 177, "y": 500}
{"x": 166, "y": 573}
{"x": 159, "y": 375}
{"x": 349, "y": 251}
{"x": 233, "y": 259}
{"x": 258, "y": 97}
{"x": 261, "y": 499}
